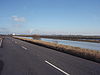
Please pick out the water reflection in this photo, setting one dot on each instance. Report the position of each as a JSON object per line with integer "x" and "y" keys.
{"x": 87, "y": 45}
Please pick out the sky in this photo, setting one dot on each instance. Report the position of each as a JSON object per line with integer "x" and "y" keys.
{"x": 75, "y": 17}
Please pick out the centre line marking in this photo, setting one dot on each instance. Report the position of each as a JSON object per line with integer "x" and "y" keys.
{"x": 57, "y": 68}
{"x": 24, "y": 47}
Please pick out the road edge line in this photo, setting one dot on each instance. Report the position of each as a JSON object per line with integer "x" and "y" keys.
{"x": 1, "y": 43}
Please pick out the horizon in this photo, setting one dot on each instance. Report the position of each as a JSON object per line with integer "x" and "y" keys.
{"x": 60, "y": 17}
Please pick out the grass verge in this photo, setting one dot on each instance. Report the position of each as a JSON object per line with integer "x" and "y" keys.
{"x": 76, "y": 51}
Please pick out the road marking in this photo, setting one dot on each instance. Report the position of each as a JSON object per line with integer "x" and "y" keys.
{"x": 57, "y": 68}
{"x": 0, "y": 43}
{"x": 24, "y": 47}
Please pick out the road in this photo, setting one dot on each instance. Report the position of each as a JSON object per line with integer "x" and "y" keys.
{"x": 21, "y": 58}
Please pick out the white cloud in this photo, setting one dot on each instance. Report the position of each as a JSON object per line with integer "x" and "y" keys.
{"x": 4, "y": 30}
{"x": 30, "y": 31}
{"x": 18, "y": 25}
{"x": 18, "y": 19}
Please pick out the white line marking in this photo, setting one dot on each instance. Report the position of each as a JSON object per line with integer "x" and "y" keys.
{"x": 57, "y": 68}
{"x": 24, "y": 47}
{"x": 0, "y": 43}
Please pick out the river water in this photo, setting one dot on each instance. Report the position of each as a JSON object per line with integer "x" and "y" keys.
{"x": 87, "y": 45}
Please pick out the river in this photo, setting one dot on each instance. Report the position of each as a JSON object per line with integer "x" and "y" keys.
{"x": 87, "y": 45}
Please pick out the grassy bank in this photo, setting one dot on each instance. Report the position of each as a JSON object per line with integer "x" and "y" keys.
{"x": 93, "y": 39}
{"x": 76, "y": 51}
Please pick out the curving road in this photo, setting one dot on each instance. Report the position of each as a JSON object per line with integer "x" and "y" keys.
{"x": 21, "y": 58}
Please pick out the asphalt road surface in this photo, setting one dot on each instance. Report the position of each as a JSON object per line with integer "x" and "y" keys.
{"x": 21, "y": 58}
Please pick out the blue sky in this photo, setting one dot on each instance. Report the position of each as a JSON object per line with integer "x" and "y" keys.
{"x": 50, "y": 16}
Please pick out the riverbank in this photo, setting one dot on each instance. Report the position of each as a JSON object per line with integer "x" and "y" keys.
{"x": 73, "y": 39}
{"x": 94, "y": 39}
{"x": 76, "y": 51}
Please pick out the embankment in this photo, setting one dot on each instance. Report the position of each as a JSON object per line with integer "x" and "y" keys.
{"x": 76, "y": 51}
{"x": 94, "y": 39}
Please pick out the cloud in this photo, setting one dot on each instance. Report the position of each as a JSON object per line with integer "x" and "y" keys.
{"x": 30, "y": 31}
{"x": 18, "y": 19}
{"x": 17, "y": 25}
{"x": 4, "y": 30}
